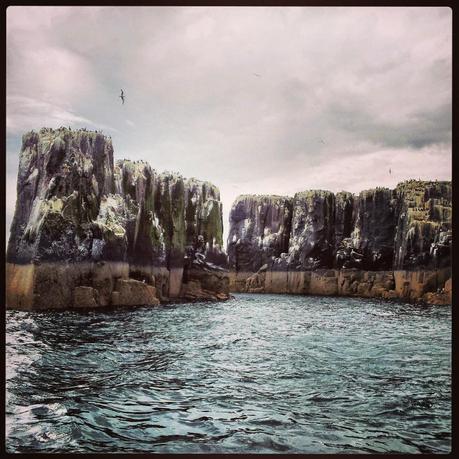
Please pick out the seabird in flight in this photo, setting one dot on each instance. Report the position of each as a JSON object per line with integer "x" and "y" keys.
{"x": 122, "y": 96}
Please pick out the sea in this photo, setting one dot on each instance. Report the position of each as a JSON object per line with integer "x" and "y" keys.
{"x": 259, "y": 373}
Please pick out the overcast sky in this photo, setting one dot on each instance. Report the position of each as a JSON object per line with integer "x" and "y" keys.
{"x": 255, "y": 100}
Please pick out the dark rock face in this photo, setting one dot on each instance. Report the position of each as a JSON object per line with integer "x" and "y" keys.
{"x": 372, "y": 239}
{"x": 62, "y": 177}
{"x": 379, "y": 230}
{"x": 344, "y": 216}
{"x": 75, "y": 206}
{"x": 203, "y": 280}
{"x": 259, "y": 230}
{"x": 424, "y": 230}
{"x": 312, "y": 234}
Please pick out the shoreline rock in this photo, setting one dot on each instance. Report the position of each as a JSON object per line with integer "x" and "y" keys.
{"x": 381, "y": 242}
{"x": 431, "y": 287}
{"x": 88, "y": 230}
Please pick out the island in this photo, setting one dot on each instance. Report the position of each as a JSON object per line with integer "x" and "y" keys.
{"x": 89, "y": 232}
{"x": 381, "y": 243}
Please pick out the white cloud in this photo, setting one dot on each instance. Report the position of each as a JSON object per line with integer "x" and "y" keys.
{"x": 25, "y": 113}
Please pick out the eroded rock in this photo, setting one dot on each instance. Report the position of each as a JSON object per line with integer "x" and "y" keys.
{"x": 79, "y": 218}
{"x": 85, "y": 297}
{"x": 131, "y": 292}
{"x": 381, "y": 242}
{"x": 259, "y": 230}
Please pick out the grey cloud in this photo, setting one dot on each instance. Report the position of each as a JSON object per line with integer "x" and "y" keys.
{"x": 336, "y": 85}
{"x": 420, "y": 130}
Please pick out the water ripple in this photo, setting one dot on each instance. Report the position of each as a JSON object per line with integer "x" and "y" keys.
{"x": 260, "y": 373}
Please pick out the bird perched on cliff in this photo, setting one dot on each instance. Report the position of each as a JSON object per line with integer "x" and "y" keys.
{"x": 122, "y": 96}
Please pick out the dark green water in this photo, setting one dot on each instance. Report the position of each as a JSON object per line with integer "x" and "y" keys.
{"x": 260, "y": 373}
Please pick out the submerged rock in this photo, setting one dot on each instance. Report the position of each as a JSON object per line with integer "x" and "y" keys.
{"x": 116, "y": 233}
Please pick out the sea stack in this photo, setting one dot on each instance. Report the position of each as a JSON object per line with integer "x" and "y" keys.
{"x": 88, "y": 232}
{"x": 380, "y": 243}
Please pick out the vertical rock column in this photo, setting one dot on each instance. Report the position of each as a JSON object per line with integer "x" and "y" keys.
{"x": 259, "y": 231}
{"x": 424, "y": 225}
{"x": 62, "y": 179}
{"x": 373, "y": 234}
{"x": 170, "y": 210}
{"x": 137, "y": 181}
{"x": 422, "y": 246}
{"x": 312, "y": 235}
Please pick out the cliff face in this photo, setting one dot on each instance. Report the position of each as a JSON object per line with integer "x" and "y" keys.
{"x": 259, "y": 230}
{"x": 117, "y": 233}
{"x": 424, "y": 225}
{"x": 370, "y": 245}
{"x": 312, "y": 235}
{"x": 62, "y": 178}
{"x": 344, "y": 218}
{"x": 337, "y": 244}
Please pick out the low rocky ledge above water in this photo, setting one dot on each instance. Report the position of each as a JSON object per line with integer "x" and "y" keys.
{"x": 432, "y": 287}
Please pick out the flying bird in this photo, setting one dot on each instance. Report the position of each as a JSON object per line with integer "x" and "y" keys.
{"x": 257, "y": 74}
{"x": 122, "y": 96}
{"x": 390, "y": 172}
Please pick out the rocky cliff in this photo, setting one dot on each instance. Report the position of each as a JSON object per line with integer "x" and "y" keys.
{"x": 259, "y": 230}
{"x": 381, "y": 242}
{"x": 88, "y": 232}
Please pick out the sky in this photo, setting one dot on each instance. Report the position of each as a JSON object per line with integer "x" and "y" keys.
{"x": 255, "y": 100}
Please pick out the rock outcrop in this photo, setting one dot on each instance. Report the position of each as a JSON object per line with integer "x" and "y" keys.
{"x": 424, "y": 225}
{"x": 259, "y": 230}
{"x": 88, "y": 232}
{"x": 311, "y": 238}
{"x": 371, "y": 240}
{"x": 379, "y": 243}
